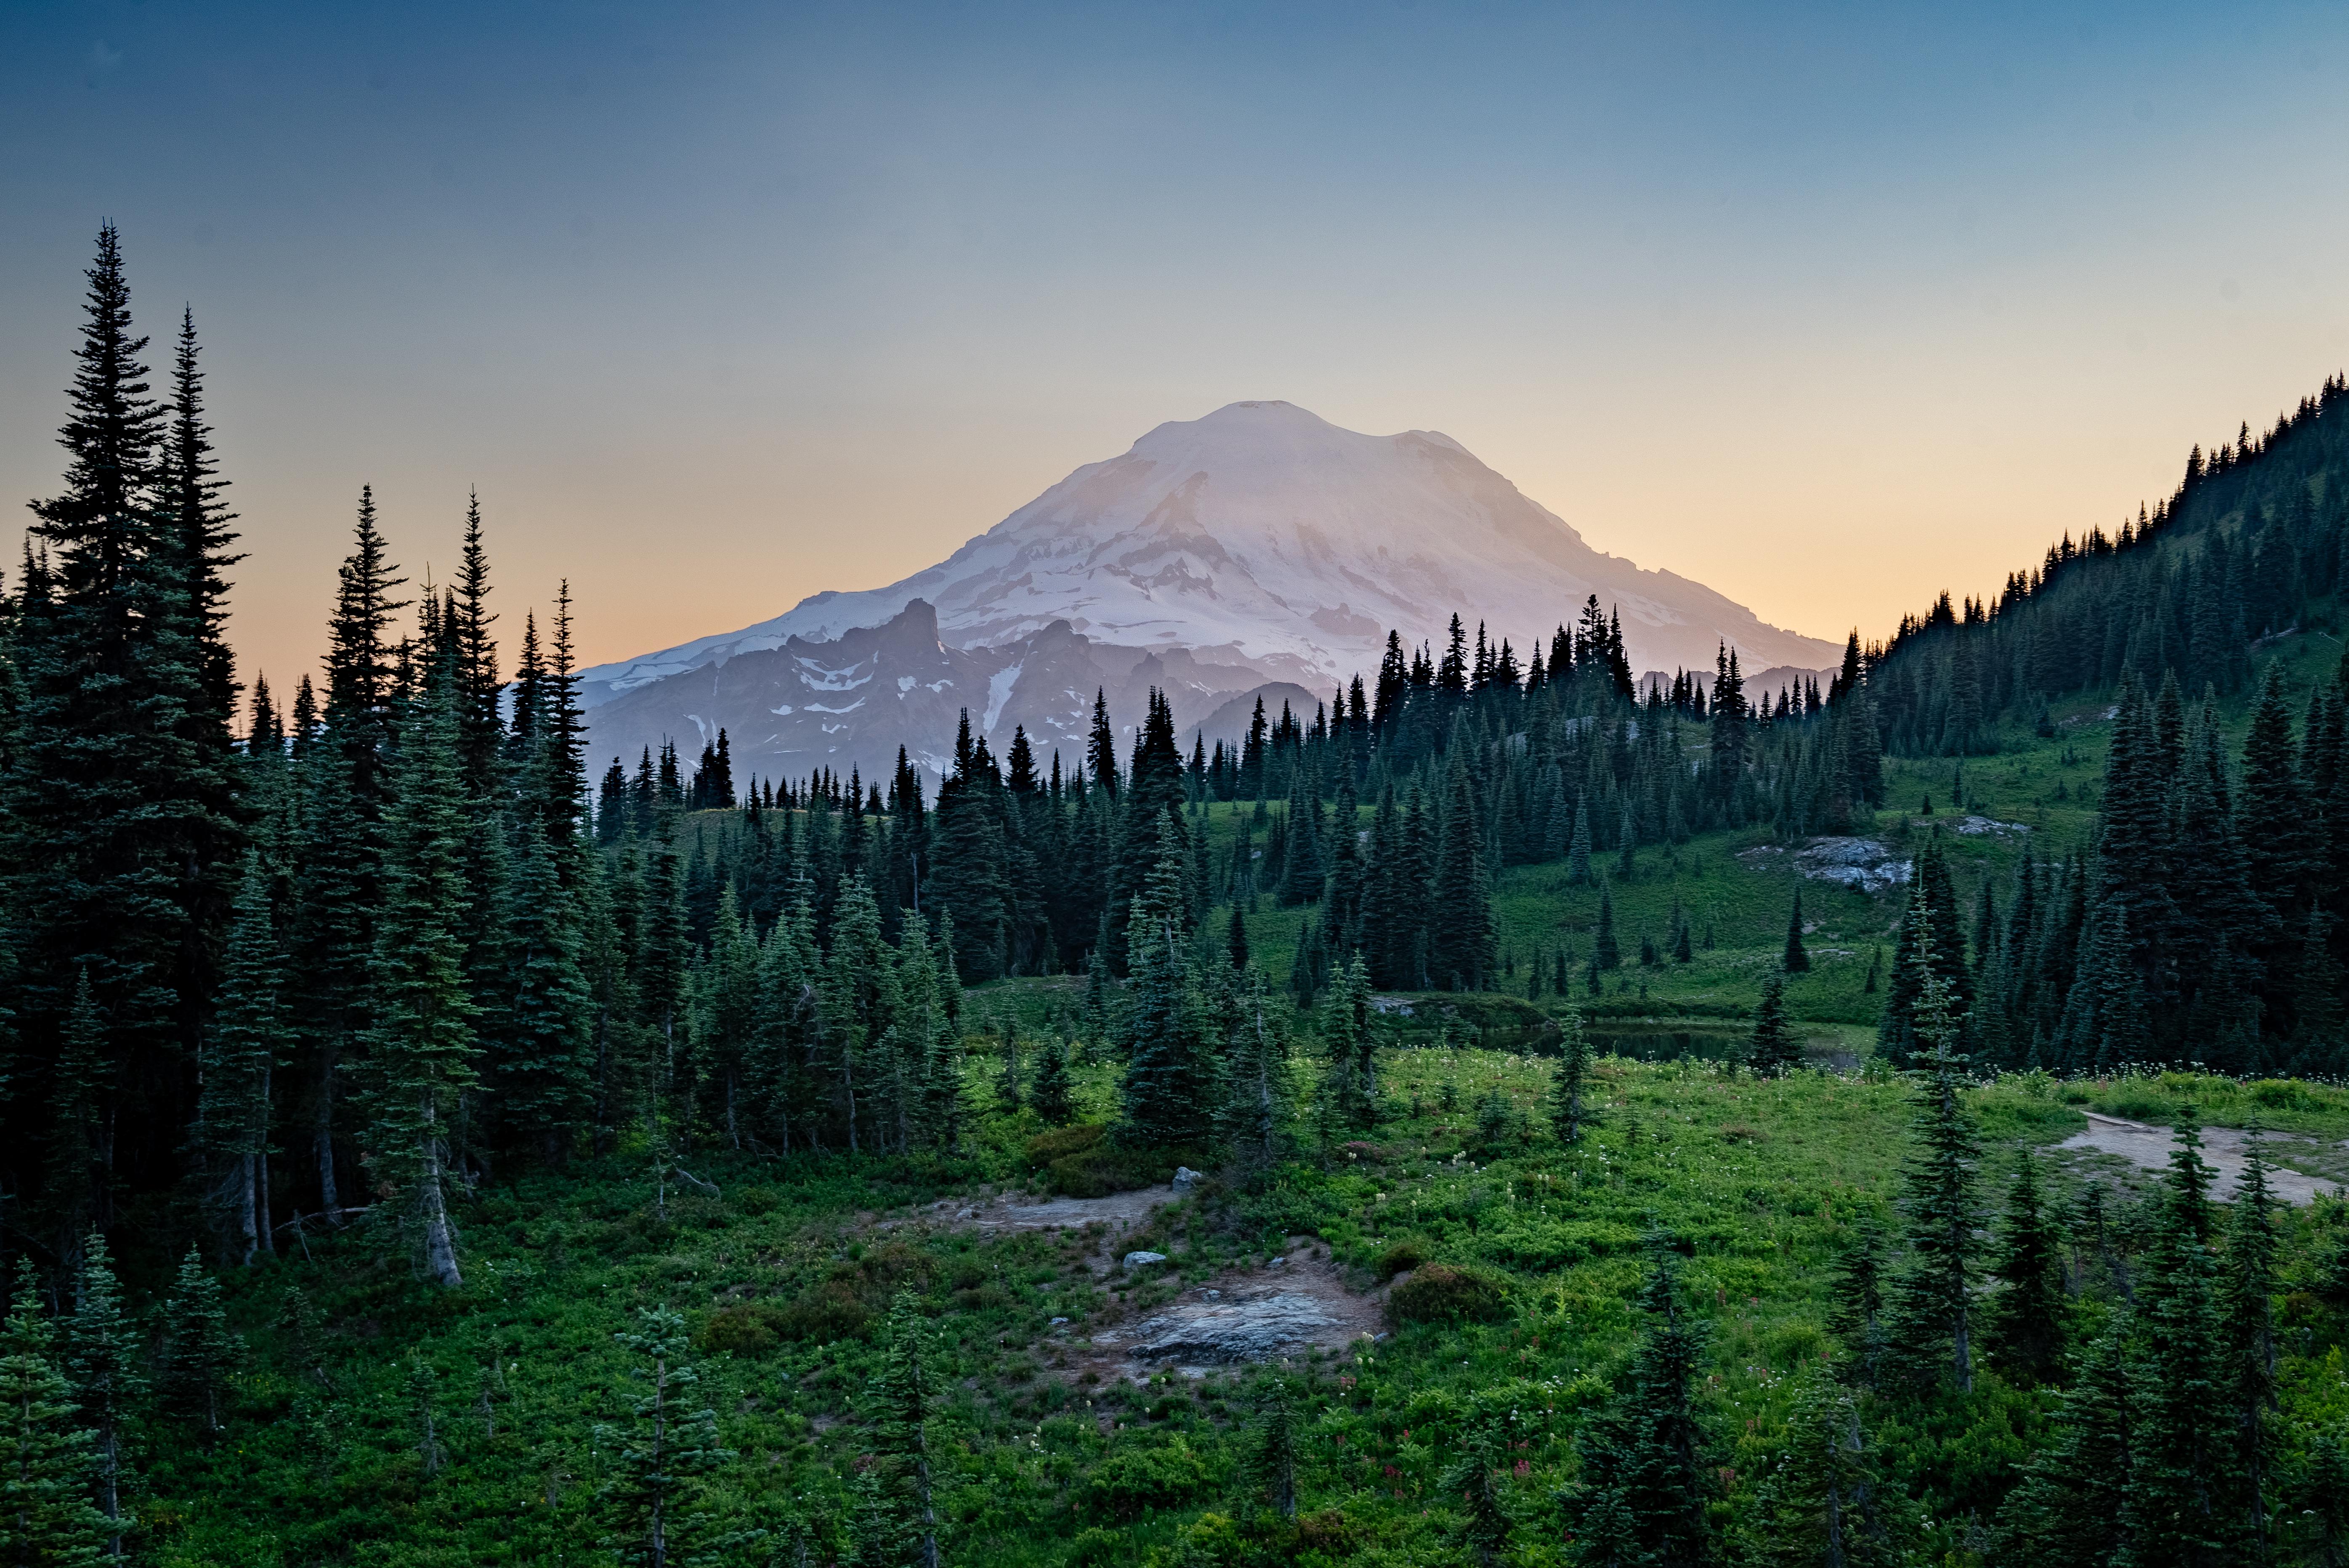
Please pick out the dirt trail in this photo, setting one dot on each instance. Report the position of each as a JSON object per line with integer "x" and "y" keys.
{"x": 2223, "y": 1150}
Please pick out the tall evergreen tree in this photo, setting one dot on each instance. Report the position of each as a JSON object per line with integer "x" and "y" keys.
{"x": 664, "y": 1452}
{"x": 102, "y": 1363}
{"x": 1934, "y": 1295}
{"x": 198, "y": 1350}
{"x": 242, "y": 1049}
{"x": 422, "y": 1049}
{"x": 2022, "y": 1323}
{"x": 1641, "y": 1496}
{"x": 1567, "y": 1112}
{"x": 47, "y": 1466}
{"x": 1165, "y": 1091}
{"x": 1773, "y": 1050}
{"x": 898, "y": 1526}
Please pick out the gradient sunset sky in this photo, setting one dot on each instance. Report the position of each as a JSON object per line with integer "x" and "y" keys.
{"x": 720, "y": 305}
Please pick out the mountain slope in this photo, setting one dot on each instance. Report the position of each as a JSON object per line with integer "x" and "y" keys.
{"x": 1263, "y": 535}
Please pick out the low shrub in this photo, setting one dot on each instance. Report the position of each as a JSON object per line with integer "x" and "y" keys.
{"x": 1399, "y": 1258}
{"x": 1135, "y": 1476}
{"x": 750, "y": 1329}
{"x": 1045, "y": 1147}
{"x": 1438, "y": 1293}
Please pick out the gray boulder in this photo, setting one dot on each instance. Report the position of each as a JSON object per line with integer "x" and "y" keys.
{"x": 1142, "y": 1261}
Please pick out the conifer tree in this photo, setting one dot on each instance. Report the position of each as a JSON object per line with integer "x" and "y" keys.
{"x": 1049, "y": 1096}
{"x": 1642, "y": 1489}
{"x": 666, "y": 1449}
{"x": 1272, "y": 1455}
{"x": 1934, "y": 1296}
{"x": 1475, "y": 1474}
{"x": 241, "y": 1051}
{"x": 1773, "y": 1051}
{"x": 1796, "y": 959}
{"x": 1827, "y": 1501}
{"x": 116, "y": 838}
{"x": 2248, "y": 1284}
{"x": 1604, "y": 952}
{"x": 102, "y": 1364}
{"x": 1235, "y": 942}
{"x": 1856, "y": 1316}
{"x": 1578, "y": 849}
{"x": 1165, "y": 1091}
{"x": 198, "y": 1350}
{"x": 1566, "y": 1111}
{"x": 540, "y": 1067}
{"x": 47, "y": 1466}
{"x": 897, "y": 1527}
{"x": 2070, "y": 1508}
{"x": 1252, "y": 1115}
{"x": 422, "y": 1048}
{"x": 2022, "y": 1323}
{"x": 1461, "y": 933}
{"x": 73, "y": 1185}
{"x": 1349, "y": 1082}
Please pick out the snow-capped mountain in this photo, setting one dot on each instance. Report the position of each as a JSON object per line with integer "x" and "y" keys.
{"x": 1264, "y": 534}
{"x": 1258, "y": 545}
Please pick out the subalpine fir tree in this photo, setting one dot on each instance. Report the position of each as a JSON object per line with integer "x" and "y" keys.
{"x": 1164, "y": 1093}
{"x": 1855, "y": 1314}
{"x": 114, "y": 834}
{"x": 1796, "y": 959}
{"x": 2022, "y": 1323}
{"x": 726, "y": 1019}
{"x": 2187, "y": 1495}
{"x": 1642, "y": 1490}
{"x": 241, "y": 1051}
{"x": 1477, "y": 1475}
{"x": 1567, "y": 1112}
{"x": 103, "y": 1362}
{"x": 198, "y": 1350}
{"x": 1460, "y": 899}
{"x": 860, "y": 1006}
{"x": 1252, "y": 1115}
{"x": 1348, "y": 1097}
{"x": 2248, "y": 1284}
{"x": 663, "y": 1452}
{"x": 48, "y": 1469}
{"x": 74, "y": 1187}
{"x": 1272, "y": 1453}
{"x": 1050, "y": 1097}
{"x": 897, "y": 1525}
{"x": 540, "y": 1067}
{"x": 1604, "y": 952}
{"x": 1235, "y": 942}
{"x": 2070, "y": 1508}
{"x": 421, "y": 1051}
{"x": 1933, "y": 1298}
{"x": 1826, "y": 1500}
{"x": 1577, "y": 848}
{"x": 339, "y": 846}
{"x": 1773, "y": 1050}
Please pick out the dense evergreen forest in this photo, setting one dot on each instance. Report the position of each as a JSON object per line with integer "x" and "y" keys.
{"x": 365, "y": 995}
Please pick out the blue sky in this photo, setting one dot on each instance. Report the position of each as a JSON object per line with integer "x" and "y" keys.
{"x": 721, "y": 304}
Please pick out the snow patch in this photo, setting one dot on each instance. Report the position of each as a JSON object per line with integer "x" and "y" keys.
{"x": 999, "y": 692}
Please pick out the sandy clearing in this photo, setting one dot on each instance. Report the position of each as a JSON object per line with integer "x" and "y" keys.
{"x": 2223, "y": 1150}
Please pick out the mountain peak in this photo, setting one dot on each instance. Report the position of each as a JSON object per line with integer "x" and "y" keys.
{"x": 1262, "y": 534}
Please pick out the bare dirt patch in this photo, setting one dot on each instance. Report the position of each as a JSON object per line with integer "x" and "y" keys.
{"x": 1288, "y": 1307}
{"x": 2148, "y": 1148}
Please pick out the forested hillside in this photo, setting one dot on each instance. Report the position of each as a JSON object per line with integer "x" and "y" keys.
{"x": 414, "y": 1160}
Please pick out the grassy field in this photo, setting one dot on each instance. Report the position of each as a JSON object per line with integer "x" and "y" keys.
{"x": 1763, "y": 1181}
